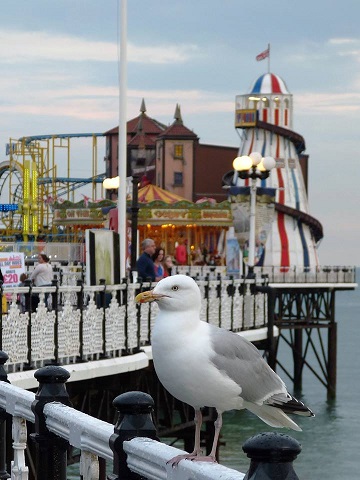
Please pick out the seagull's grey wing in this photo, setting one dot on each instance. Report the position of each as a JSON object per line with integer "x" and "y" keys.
{"x": 242, "y": 362}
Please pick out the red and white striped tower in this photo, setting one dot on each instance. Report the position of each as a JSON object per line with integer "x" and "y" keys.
{"x": 265, "y": 117}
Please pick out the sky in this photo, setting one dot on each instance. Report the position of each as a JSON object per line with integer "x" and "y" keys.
{"x": 59, "y": 65}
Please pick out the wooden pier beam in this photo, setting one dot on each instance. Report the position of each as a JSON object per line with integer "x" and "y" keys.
{"x": 332, "y": 360}
{"x": 298, "y": 358}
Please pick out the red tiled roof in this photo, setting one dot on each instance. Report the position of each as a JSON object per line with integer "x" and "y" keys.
{"x": 177, "y": 129}
{"x": 149, "y": 126}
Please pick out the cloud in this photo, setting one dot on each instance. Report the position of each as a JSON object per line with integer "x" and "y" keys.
{"x": 314, "y": 103}
{"x": 167, "y": 54}
{"x": 343, "y": 41}
{"x": 96, "y": 102}
{"x": 37, "y": 46}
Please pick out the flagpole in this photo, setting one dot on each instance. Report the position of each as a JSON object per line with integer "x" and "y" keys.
{"x": 122, "y": 160}
{"x": 269, "y": 58}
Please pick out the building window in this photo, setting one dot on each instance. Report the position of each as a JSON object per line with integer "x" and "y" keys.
{"x": 179, "y": 151}
{"x": 178, "y": 179}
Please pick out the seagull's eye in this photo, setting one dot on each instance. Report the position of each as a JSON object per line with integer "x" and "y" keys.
{"x": 175, "y": 288}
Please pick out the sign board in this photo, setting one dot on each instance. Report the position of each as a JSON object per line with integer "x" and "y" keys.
{"x": 264, "y": 217}
{"x": 78, "y": 216}
{"x": 102, "y": 257}
{"x": 12, "y": 265}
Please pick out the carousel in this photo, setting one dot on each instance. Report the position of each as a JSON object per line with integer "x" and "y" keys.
{"x": 171, "y": 221}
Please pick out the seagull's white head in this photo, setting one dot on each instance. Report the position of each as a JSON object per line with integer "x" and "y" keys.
{"x": 176, "y": 293}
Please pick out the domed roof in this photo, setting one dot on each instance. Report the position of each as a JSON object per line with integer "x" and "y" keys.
{"x": 269, "y": 83}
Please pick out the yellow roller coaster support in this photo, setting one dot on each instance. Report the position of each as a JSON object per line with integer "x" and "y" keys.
{"x": 26, "y": 199}
{"x": 34, "y": 198}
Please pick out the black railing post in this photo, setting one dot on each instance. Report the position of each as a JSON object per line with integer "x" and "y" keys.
{"x": 103, "y": 296}
{"x": 124, "y": 297}
{"x": 218, "y": 294}
{"x": 3, "y": 417}
{"x": 232, "y": 291}
{"x": 28, "y": 306}
{"x": 271, "y": 456}
{"x": 51, "y": 450}
{"x": 54, "y": 306}
{"x": 80, "y": 306}
{"x": 271, "y": 341}
{"x": 55, "y": 295}
{"x": 27, "y": 283}
{"x": 134, "y": 221}
{"x": 135, "y": 420}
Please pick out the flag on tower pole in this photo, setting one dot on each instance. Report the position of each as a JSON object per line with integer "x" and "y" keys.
{"x": 263, "y": 55}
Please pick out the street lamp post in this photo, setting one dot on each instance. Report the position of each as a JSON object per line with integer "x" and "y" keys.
{"x": 112, "y": 184}
{"x": 253, "y": 167}
{"x": 134, "y": 221}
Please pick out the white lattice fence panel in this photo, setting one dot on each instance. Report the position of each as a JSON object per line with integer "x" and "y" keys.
{"x": 226, "y": 303}
{"x": 92, "y": 328}
{"x": 15, "y": 334}
{"x": 70, "y": 279}
{"x": 154, "y": 313}
{"x": 260, "y": 309}
{"x": 69, "y": 325}
{"x": 115, "y": 325}
{"x": 203, "y": 310}
{"x": 237, "y": 309}
{"x": 148, "y": 318}
{"x": 145, "y": 310}
{"x": 214, "y": 303}
{"x": 249, "y": 311}
{"x": 42, "y": 332}
{"x": 132, "y": 318}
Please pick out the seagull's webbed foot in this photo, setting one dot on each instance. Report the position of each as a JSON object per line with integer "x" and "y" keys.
{"x": 193, "y": 457}
{"x": 196, "y": 455}
{"x": 204, "y": 458}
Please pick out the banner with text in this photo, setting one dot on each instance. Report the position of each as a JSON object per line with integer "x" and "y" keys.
{"x": 264, "y": 216}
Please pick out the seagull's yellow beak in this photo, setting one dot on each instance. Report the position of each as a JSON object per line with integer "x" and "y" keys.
{"x": 148, "y": 296}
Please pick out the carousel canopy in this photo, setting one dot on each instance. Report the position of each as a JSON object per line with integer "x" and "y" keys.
{"x": 150, "y": 193}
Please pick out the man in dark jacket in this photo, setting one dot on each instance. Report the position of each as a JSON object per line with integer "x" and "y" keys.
{"x": 145, "y": 264}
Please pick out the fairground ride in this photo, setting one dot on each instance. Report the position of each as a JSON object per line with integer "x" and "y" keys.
{"x": 38, "y": 172}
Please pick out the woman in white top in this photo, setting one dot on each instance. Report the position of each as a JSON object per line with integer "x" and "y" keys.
{"x": 43, "y": 273}
{"x": 41, "y": 276}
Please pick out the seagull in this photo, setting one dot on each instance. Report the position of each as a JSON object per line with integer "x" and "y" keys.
{"x": 207, "y": 366}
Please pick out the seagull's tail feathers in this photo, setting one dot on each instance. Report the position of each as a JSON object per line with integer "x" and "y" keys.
{"x": 289, "y": 404}
{"x": 272, "y": 416}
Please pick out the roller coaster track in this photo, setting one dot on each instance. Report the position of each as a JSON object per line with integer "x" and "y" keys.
{"x": 76, "y": 182}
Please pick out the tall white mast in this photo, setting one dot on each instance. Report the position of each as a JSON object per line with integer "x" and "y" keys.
{"x": 122, "y": 152}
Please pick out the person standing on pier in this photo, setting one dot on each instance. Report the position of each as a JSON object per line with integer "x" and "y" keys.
{"x": 144, "y": 264}
{"x": 158, "y": 259}
{"x": 41, "y": 276}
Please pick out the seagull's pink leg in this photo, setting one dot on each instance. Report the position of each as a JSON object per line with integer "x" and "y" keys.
{"x": 212, "y": 456}
{"x": 197, "y": 451}
{"x": 218, "y": 425}
{"x": 196, "y": 456}
{"x": 198, "y": 423}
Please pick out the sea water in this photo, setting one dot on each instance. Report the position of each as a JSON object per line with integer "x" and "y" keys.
{"x": 331, "y": 440}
